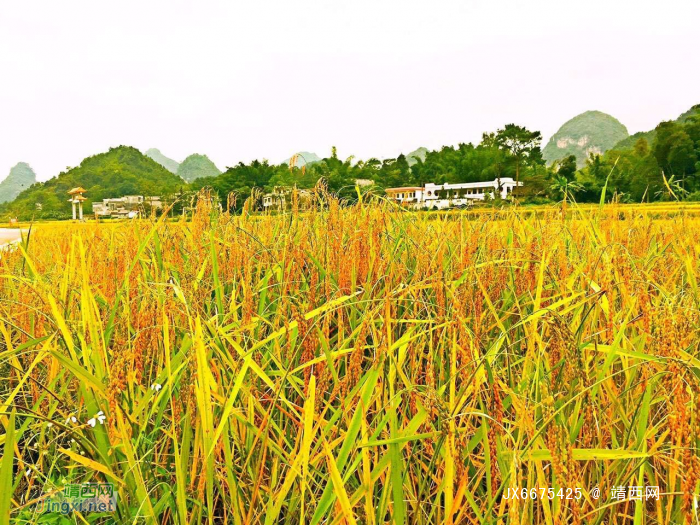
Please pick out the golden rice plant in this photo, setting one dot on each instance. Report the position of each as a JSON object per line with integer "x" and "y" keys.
{"x": 356, "y": 364}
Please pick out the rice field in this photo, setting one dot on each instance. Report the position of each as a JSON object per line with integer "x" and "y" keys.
{"x": 356, "y": 365}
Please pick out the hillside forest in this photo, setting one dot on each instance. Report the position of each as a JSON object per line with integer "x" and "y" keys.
{"x": 663, "y": 164}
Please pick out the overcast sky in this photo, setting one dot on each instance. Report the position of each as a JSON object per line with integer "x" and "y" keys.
{"x": 239, "y": 80}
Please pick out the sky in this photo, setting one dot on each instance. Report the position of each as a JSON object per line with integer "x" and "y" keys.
{"x": 240, "y": 80}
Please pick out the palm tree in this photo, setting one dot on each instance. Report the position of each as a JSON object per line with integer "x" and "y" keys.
{"x": 566, "y": 188}
{"x": 673, "y": 188}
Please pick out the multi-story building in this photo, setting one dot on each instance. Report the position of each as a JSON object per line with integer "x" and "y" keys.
{"x": 441, "y": 196}
{"x": 280, "y": 198}
{"x": 406, "y": 194}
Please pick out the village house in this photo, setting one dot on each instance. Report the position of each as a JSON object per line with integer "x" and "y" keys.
{"x": 127, "y": 207}
{"x": 281, "y": 198}
{"x": 442, "y": 196}
{"x": 406, "y": 194}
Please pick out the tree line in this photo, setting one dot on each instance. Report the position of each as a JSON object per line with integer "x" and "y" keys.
{"x": 512, "y": 151}
{"x": 667, "y": 168}
{"x": 661, "y": 165}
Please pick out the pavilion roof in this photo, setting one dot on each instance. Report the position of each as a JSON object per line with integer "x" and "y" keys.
{"x": 77, "y": 190}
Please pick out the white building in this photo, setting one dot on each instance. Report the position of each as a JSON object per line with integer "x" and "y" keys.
{"x": 128, "y": 207}
{"x": 441, "y": 196}
{"x": 280, "y": 198}
{"x": 406, "y": 194}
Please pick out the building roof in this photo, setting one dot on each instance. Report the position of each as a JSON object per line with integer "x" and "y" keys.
{"x": 77, "y": 198}
{"x": 406, "y": 188}
{"x": 77, "y": 190}
{"x": 504, "y": 181}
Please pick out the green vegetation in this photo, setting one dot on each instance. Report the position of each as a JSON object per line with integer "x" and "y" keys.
{"x": 196, "y": 167}
{"x": 121, "y": 171}
{"x": 20, "y": 178}
{"x": 664, "y": 169}
{"x": 510, "y": 152}
{"x": 236, "y": 184}
{"x": 169, "y": 164}
{"x": 650, "y": 136}
{"x": 628, "y": 174}
{"x": 513, "y": 151}
{"x": 520, "y": 143}
{"x": 590, "y": 132}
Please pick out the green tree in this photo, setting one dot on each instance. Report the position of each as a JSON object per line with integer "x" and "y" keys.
{"x": 567, "y": 167}
{"x": 521, "y": 143}
{"x": 633, "y": 172}
{"x": 681, "y": 154}
{"x": 664, "y": 141}
{"x": 564, "y": 187}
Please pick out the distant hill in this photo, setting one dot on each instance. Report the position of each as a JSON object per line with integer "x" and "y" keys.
{"x": 304, "y": 158}
{"x": 420, "y": 153}
{"x": 118, "y": 172}
{"x": 20, "y": 178}
{"x": 650, "y": 136}
{"x": 197, "y": 166}
{"x": 589, "y": 132}
{"x": 169, "y": 164}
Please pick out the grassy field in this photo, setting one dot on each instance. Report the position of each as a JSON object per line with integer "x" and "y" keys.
{"x": 356, "y": 365}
